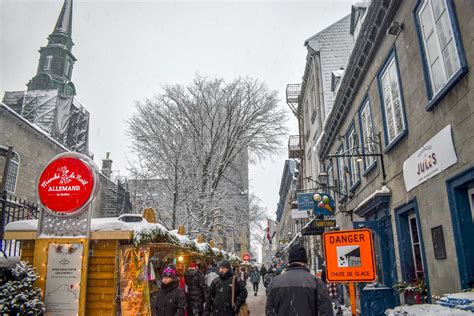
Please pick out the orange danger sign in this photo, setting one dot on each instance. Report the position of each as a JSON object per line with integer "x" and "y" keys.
{"x": 349, "y": 256}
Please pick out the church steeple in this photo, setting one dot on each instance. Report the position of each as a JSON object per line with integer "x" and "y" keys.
{"x": 56, "y": 59}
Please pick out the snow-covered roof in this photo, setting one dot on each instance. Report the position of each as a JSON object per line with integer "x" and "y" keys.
{"x": 384, "y": 191}
{"x": 143, "y": 233}
{"x": 33, "y": 126}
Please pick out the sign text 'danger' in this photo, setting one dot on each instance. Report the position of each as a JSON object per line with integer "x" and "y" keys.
{"x": 349, "y": 256}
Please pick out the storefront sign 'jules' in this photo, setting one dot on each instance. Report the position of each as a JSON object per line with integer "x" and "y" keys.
{"x": 66, "y": 185}
{"x": 432, "y": 158}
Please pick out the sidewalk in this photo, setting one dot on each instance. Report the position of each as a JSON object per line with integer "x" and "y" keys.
{"x": 256, "y": 303}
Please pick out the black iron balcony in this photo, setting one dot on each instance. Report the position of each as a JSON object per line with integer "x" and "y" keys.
{"x": 292, "y": 97}
{"x": 295, "y": 149}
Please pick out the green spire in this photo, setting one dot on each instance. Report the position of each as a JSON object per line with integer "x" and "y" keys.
{"x": 56, "y": 59}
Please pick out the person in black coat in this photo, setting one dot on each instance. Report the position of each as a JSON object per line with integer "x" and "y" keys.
{"x": 263, "y": 272}
{"x": 219, "y": 297}
{"x": 170, "y": 300}
{"x": 196, "y": 295}
{"x": 297, "y": 291}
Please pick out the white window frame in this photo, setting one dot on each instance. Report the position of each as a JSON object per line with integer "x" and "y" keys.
{"x": 330, "y": 172}
{"x": 48, "y": 62}
{"x": 341, "y": 176}
{"x": 470, "y": 193}
{"x": 351, "y": 143}
{"x": 440, "y": 51}
{"x": 366, "y": 131}
{"x": 410, "y": 217}
{"x": 391, "y": 68}
{"x": 12, "y": 175}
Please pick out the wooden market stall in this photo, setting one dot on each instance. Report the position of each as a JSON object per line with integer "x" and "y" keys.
{"x": 124, "y": 259}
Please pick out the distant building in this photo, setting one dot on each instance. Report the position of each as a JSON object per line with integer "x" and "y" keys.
{"x": 311, "y": 102}
{"x": 286, "y": 227}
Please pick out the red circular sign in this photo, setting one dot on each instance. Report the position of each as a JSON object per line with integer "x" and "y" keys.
{"x": 246, "y": 256}
{"x": 66, "y": 185}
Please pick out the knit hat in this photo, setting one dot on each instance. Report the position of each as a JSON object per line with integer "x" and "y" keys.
{"x": 297, "y": 253}
{"x": 192, "y": 265}
{"x": 225, "y": 264}
{"x": 169, "y": 273}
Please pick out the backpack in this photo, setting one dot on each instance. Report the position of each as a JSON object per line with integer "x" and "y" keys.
{"x": 268, "y": 279}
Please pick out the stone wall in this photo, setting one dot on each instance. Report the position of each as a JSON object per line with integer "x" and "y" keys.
{"x": 456, "y": 109}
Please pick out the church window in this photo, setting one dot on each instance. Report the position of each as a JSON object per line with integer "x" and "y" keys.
{"x": 67, "y": 69}
{"x": 12, "y": 174}
{"x": 47, "y": 63}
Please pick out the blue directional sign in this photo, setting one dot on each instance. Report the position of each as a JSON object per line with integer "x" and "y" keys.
{"x": 305, "y": 201}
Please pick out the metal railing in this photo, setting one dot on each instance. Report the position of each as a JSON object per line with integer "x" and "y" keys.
{"x": 295, "y": 150}
{"x": 14, "y": 209}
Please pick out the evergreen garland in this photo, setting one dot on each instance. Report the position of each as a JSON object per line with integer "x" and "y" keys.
{"x": 20, "y": 296}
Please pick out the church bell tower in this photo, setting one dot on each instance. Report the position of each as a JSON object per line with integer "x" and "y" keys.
{"x": 56, "y": 59}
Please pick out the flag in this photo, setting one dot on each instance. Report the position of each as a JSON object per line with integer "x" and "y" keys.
{"x": 268, "y": 232}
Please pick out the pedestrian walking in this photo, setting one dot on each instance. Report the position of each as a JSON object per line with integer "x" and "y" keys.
{"x": 297, "y": 291}
{"x": 263, "y": 272}
{"x": 170, "y": 300}
{"x": 196, "y": 290}
{"x": 220, "y": 301}
{"x": 333, "y": 289}
{"x": 255, "y": 279}
{"x": 269, "y": 277}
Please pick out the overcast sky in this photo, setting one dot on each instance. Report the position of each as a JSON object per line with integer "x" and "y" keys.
{"x": 127, "y": 50}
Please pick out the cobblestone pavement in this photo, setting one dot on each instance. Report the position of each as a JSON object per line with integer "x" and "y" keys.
{"x": 256, "y": 303}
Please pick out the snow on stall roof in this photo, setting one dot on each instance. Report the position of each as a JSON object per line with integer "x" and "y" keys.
{"x": 383, "y": 191}
{"x": 97, "y": 224}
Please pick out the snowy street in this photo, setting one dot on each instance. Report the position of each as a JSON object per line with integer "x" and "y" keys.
{"x": 256, "y": 303}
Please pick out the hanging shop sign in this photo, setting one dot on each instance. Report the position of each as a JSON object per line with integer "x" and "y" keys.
{"x": 246, "y": 257}
{"x": 312, "y": 230}
{"x": 305, "y": 206}
{"x": 316, "y": 226}
{"x": 349, "y": 256}
{"x": 63, "y": 279}
{"x": 67, "y": 184}
{"x": 431, "y": 159}
{"x": 323, "y": 204}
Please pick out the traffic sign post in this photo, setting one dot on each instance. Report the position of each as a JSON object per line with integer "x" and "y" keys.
{"x": 350, "y": 258}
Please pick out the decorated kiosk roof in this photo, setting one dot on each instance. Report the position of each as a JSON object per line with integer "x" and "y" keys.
{"x": 140, "y": 232}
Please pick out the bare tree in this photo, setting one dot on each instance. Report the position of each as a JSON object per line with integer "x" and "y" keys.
{"x": 192, "y": 134}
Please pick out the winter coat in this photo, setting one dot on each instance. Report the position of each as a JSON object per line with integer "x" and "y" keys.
{"x": 211, "y": 274}
{"x": 255, "y": 276}
{"x": 263, "y": 271}
{"x": 268, "y": 278}
{"x": 219, "y": 298}
{"x": 298, "y": 292}
{"x": 170, "y": 300}
{"x": 196, "y": 295}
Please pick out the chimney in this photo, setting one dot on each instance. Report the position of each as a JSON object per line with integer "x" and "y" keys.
{"x": 107, "y": 165}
